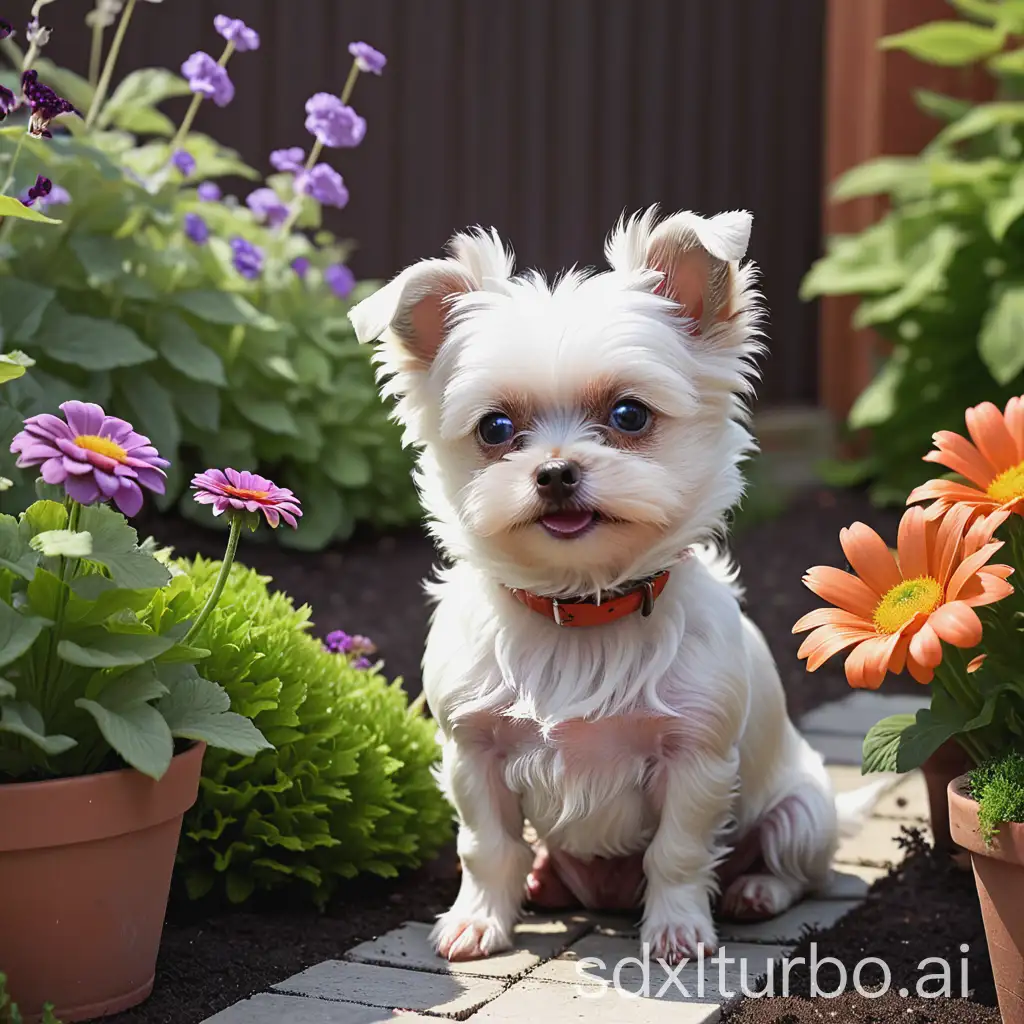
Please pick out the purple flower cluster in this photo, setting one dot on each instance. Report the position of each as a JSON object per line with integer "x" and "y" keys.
{"x": 39, "y": 190}
{"x": 58, "y": 197}
{"x": 207, "y": 78}
{"x": 267, "y": 206}
{"x": 367, "y": 58}
{"x": 196, "y": 228}
{"x": 183, "y": 160}
{"x": 332, "y": 122}
{"x": 44, "y": 103}
{"x": 355, "y": 647}
{"x": 236, "y": 32}
{"x": 6, "y": 28}
{"x": 340, "y": 280}
{"x": 208, "y": 192}
{"x": 285, "y": 160}
{"x": 247, "y": 258}
{"x": 8, "y": 101}
{"x": 301, "y": 266}
{"x": 324, "y": 184}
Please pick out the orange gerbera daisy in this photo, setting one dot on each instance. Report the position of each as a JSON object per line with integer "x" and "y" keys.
{"x": 896, "y": 610}
{"x": 994, "y": 463}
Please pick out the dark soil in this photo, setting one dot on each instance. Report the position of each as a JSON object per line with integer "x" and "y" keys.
{"x": 373, "y": 585}
{"x": 928, "y": 907}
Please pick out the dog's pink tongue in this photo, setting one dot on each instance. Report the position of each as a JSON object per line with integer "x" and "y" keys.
{"x": 567, "y": 522}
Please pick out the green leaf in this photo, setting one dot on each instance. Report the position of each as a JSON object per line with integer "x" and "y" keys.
{"x": 274, "y": 417}
{"x": 22, "y": 719}
{"x": 143, "y": 88}
{"x": 137, "y": 686}
{"x": 882, "y": 743}
{"x": 1001, "y": 342}
{"x": 7, "y": 689}
{"x": 41, "y": 516}
{"x": 154, "y": 412}
{"x": 16, "y": 553}
{"x": 224, "y": 308}
{"x": 197, "y": 709}
{"x": 347, "y": 467}
{"x": 883, "y": 175}
{"x": 933, "y": 725}
{"x": 144, "y": 121}
{"x": 950, "y": 43}
{"x": 22, "y": 305}
{"x": 12, "y": 207}
{"x": 13, "y": 365}
{"x": 180, "y": 346}
{"x": 877, "y": 402}
{"x": 981, "y": 119}
{"x": 115, "y": 545}
{"x": 945, "y": 108}
{"x": 137, "y": 732}
{"x": 66, "y": 543}
{"x": 1002, "y": 214}
{"x": 102, "y": 649}
{"x": 90, "y": 343}
{"x": 17, "y": 633}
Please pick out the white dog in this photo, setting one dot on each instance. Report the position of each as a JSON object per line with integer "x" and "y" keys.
{"x": 588, "y": 663}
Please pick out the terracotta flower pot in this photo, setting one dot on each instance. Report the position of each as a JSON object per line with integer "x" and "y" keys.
{"x": 85, "y": 871}
{"x": 949, "y": 761}
{"x": 999, "y": 874}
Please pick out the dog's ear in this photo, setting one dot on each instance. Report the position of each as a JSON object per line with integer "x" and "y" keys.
{"x": 698, "y": 257}
{"x": 415, "y": 306}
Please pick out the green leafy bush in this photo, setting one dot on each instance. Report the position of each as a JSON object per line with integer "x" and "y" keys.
{"x": 998, "y": 786}
{"x": 9, "y": 1011}
{"x": 348, "y": 787}
{"x": 941, "y": 275}
{"x": 120, "y": 303}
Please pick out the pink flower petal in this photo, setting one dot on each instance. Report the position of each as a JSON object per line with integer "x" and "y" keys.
{"x": 128, "y": 498}
{"x": 53, "y": 471}
{"x": 82, "y": 488}
{"x": 83, "y": 417}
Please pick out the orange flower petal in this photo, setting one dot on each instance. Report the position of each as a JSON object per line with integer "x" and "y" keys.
{"x": 1014, "y": 416}
{"x": 949, "y": 492}
{"x": 827, "y": 641}
{"x": 867, "y": 662}
{"x": 842, "y": 589}
{"x": 870, "y": 557}
{"x": 946, "y": 547}
{"x": 898, "y": 659}
{"x": 968, "y": 567}
{"x": 918, "y": 671}
{"x": 988, "y": 431}
{"x": 975, "y": 663}
{"x": 912, "y": 544}
{"x": 985, "y": 588}
{"x": 925, "y": 648}
{"x": 1004, "y": 572}
{"x": 982, "y": 530}
{"x": 957, "y": 624}
{"x": 958, "y": 454}
{"x": 831, "y": 617}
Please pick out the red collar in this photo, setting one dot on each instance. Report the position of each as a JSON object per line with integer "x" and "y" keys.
{"x": 640, "y": 598}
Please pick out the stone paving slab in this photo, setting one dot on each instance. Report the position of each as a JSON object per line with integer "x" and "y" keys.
{"x": 624, "y": 967}
{"x": 534, "y": 1000}
{"x": 856, "y": 713}
{"x": 875, "y": 844}
{"x": 447, "y": 995}
{"x": 273, "y": 1009}
{"x": 536, "y": 939}
{"x": 850, "y": 882}
{"x": 847, "y": 777}
{"x": 908, "y": 800}
{"x": 837, "y": 749}
{"x": 789, "y": 927}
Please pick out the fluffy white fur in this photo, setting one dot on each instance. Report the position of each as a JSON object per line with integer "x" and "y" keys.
{"x": 668, "y": 735}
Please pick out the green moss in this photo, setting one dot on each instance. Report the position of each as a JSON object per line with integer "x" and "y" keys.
{"x": 348, "y": 787}
{"x": 998, "y": 786}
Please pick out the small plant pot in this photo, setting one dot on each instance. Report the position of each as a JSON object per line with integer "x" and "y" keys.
{"x": 85, "y": 871}
{"x": 999, "y": 875}
{"x": 948, "y": 762}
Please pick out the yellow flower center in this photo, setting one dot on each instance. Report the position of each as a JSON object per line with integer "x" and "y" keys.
{"x": 102, "y": 446}
{"x": 246, "y": 495}
{"x": 905, "y": 600}
{"x": 1008, "y": 485}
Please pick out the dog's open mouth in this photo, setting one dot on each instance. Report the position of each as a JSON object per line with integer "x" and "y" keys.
{"x": 569, "y": 524}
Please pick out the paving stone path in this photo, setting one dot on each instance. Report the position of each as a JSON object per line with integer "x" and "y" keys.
{"x": 564, "y": 967}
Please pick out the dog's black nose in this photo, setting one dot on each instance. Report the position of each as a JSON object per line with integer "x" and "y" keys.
{"x": 558, "y": 479}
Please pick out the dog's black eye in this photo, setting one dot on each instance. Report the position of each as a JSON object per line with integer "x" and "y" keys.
{"x": 495, "y": 428}
{"x": 629, "y": 416}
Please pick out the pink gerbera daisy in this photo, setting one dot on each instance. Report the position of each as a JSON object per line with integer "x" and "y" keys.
{"x": 246, "y": 492}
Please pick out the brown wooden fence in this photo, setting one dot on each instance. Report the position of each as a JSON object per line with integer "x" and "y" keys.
{"x": 545, "y": 118}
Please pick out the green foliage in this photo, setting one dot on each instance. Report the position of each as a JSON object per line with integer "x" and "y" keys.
{"x": 9, "y": 1011}
{"x": 347, "y": 787}
{"x": 118, "y": 306}
{"x": 96, "y": 673}
{"x": 998, "y": 786}
{"x": 941, "y": 275}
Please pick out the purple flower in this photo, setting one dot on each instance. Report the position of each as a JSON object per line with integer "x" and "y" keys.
{"x": 184, "y": 161}
{"x": 58, "y": 197}
{"x": 362, "y": 662}
{"x": 39, "y": 190}
{"x": 196, "y": 229}
{"x": 266, "y": 205}
{"x": 340, "y": 280}
{"x": 37, "y": 34}
{"x": 338, "y": 642}
{"x": 6, "y": 28}
{"x": 367, "y": 58}
{"x": 246, "y": 492}
{"x": 209, "y": 192}
{"x": 206, "y": 77}
{"x": 288, "y": 159}
{"x": 235, "y": 31}
{"x": 301, "y": 266}
{"x": 8, "y": 101}
{"x": 324, "y": 184}
{"x": 44, "y": 103}
{"x": 333, "y": 123}
{"x": 96, "y": 457}
{"x": 247, "y": 258}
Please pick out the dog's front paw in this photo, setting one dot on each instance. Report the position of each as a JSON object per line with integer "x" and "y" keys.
{"x": 676, "y": 925}
{"x": 465, "y": 937}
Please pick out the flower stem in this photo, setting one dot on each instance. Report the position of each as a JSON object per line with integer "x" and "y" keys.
{"x": 9, "y": 180}
{"x": 95, "y": 52}
{"x": 193, "y": 107}
{"x": 66, "y": 568}
{"x": 99, "y": 97}
{"x": 222, "y": 579}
